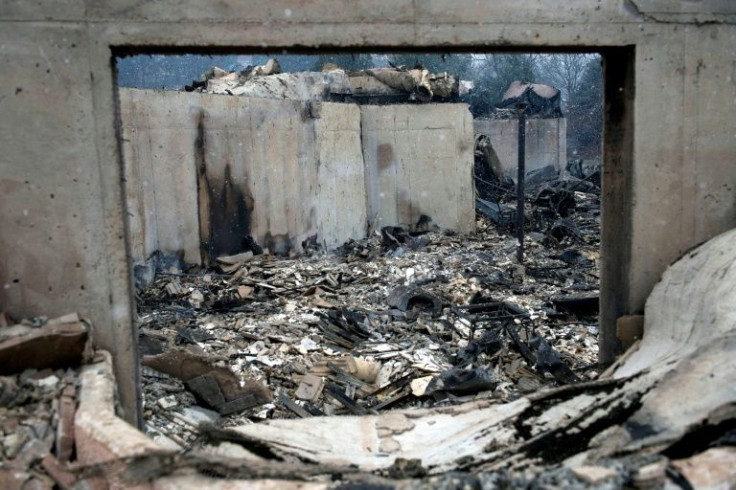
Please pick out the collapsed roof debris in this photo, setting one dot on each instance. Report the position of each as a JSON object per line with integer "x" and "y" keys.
{"x": 404, "y": 318}
{"x": 538, "y": 99}
{"x": 394, "y": 84}
{"x": 40, "y": 362}
{"x": 619, "y": 430}
{"x": 631, "y": 427}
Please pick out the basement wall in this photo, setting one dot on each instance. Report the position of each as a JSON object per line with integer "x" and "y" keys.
{"x": 63, "y": 222}
{"x": 546, "y": 142}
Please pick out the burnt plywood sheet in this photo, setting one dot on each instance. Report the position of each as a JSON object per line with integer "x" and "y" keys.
{"x": 418, "y": 160}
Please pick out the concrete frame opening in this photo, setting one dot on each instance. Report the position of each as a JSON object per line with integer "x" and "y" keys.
{"x": 616, "y": 199}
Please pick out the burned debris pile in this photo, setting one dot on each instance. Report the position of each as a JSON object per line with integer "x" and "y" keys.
{"x": 404, "y": 318}
{"x": 559, "y": 207}
{"x": 39, "y": 371}
{"x": 394, "y": 84}
{"x": 629, "y": 428}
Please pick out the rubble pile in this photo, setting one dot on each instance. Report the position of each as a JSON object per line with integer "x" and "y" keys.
{"x": 39, "y": 378}
{"x": 36, "y": 409}
{"x": 615, "y": 430}
{"x": 394, "y": 84}
{"x": 401, "y": 319}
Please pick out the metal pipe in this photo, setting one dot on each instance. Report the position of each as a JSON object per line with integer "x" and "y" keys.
{"x": 521, "y": 174}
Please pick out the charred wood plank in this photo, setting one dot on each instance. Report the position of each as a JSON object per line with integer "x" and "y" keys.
{"x": 549, "y": 360}
{"x": 336, "y": 393}
{"x": 293, "y": 406}
{"x": 520, "y": 346}
{"x": 53, "y": 346}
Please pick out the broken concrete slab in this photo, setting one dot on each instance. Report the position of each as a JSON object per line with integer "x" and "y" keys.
{"x": 52, "y": 346}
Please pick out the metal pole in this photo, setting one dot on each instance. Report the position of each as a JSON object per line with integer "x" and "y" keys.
{"x": 521, "y": 108}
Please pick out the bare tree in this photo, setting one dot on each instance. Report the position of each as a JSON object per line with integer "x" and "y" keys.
{"x": 564, "y": 71}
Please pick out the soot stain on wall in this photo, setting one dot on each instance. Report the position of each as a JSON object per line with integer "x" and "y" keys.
{"x": 225, "y": 206}
{"x": 278, "y": 244}
{"x": 230, "y": 214}
{"x": 203, "y": 194}
{"x": 385, "y": 156}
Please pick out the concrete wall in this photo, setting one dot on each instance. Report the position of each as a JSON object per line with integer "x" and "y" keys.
{"x": 419, "y": 160}
{"x": 546, "y": 142}
{"x": 62, "y": 220}
{"x": 204, "y": 171}
{"x": 160, "y": 173}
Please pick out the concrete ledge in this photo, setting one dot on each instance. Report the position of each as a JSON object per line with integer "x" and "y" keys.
{"x": 199, "y": 482}
{"x": 100, "y": 435}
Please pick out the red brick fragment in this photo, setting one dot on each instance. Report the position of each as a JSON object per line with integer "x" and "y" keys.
{"x": 65, "y": 430}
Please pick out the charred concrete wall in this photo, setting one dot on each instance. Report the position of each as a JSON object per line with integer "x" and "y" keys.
{"x": 419, "y": 161}
{"x": 205, "y": 171}
{"x": 546, "y": 142}
{"x": 63, "y": 232}
{"x": 159, "y": 144}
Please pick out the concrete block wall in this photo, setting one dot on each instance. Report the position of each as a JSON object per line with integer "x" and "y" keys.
{"x": 340, "y": 178}
{"x": 546, "y": 142}
{"x": 158, "y": 141}
{"x": 63, "y": 225}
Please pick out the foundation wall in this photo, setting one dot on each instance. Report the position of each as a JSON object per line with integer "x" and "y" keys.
{"x": 546, "y": 142}
{"x": 62, "y": 210}
{"x": 419, "y": 161}
{"x": 204, "y": 171}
